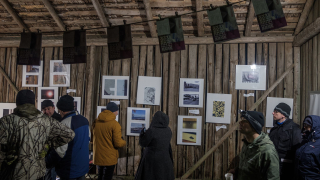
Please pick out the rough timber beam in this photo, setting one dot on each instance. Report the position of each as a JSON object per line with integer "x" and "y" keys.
{"x": 152, "y": 27}
{"x": 54, "y": 14}
{"x": 199, "y": 18}
{"x": 312, "y": 30}
{"x": 304, "y": 16}
{"x": 101, "y": 14}
{"x": 14, "y": 15}
{"x": 249, "y": 20}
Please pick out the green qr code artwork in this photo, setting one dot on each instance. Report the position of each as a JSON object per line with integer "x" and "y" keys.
{"x": 218, "y": 109}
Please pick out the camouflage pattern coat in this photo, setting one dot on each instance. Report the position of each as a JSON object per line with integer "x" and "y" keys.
{"x": 24, "y": 139}
{"x": 259, "y": 160}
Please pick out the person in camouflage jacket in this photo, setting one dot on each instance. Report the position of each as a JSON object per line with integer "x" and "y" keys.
{"x": 258, "y": 158}
{"x": 25, "y": 136}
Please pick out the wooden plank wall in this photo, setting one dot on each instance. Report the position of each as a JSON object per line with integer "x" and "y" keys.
{"x": 313, "y": 14}
{"x": 215, "y": 63}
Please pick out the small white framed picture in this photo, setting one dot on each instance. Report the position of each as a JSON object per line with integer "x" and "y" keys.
{"x": 59, "y": 74}
{"x": 272, "y": 102}
{"x": 137, "y": 119}
{"x": 189, "y": 130}
{"x": 149, "y": 90}
{"x": 115, "y": 87}
{"x": 32, "y": 75}
{"x": 6, "y": 109}
{"x": 102, "y": 108}
{"x": 77, "y": 104}
{"x": 50, "y": 93}
{"x": 251, "y": 77}
{"x": 191, "y": 92}
{"x": 219, "y": 108}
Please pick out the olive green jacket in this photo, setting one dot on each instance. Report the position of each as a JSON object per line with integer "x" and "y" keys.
{"x": 259, "y": 160}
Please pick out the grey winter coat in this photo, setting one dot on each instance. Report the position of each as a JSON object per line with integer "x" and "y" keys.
{"x": 156, "y": 162}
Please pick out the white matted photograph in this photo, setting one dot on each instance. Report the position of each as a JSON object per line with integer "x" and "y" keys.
{"x": 77, "y": 104}
{"x": 149, "y": 90}
{"x": 47, "y": 93}
{"x": 102, "y": 108}
{"x": 191, "y": 92}
{"x": 6, "y": 109}
{"x": 272, "y": 102}
{"x": 115, "y": 87}
{"x": 137, "y": 119}
{"x": 59, "y": 74}
{"x": 32, "y": 75}
{"x": 251, "y": 77}
{"x": 189, "y": 130}
{"x": 219, "y": 108}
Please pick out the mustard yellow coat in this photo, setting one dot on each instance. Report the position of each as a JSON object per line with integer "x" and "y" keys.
{"x": 106, "y": 139}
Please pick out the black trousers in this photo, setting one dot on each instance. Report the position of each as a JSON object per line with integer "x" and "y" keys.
{"x": 105, "y": 172}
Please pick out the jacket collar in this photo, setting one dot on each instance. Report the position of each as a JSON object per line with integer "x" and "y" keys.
{"x": 284, "y": 125}
{"x": 28, "y": 111}
{"x": 72, "y": 113}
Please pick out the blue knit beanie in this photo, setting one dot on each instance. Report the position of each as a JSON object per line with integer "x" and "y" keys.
{"x": 113, "y": 107}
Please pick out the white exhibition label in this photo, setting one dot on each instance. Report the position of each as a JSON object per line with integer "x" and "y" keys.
{"x": 248, "y": 95}
{"x": 71, "y": 90}
{"x": 117, "y": 102}
{"x": 221, "y": 127}
{"x": 194, "y": 111}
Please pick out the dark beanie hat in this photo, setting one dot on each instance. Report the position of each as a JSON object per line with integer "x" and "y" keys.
{"x": 46, "y": 103}
{"x": 113, "y": 107}
{"x": 256, "y": 119}
{"x": 65, "y": 103}
{"x": 308, "y": 121}
{"x": 25, "y": 96}
{"x": 284, "y": 109}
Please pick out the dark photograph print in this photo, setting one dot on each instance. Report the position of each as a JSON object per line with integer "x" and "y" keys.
{"x": 32, "y": 79}
{"x": 6, "y": 112}
{"x": 122, "y": 87}
{"x": 189, "y": 123}
{"x": 250, "y": 77}
{"x": 138, "y": 115}
{"x": 189, "y": 137}
{"x": 192, "y": 87}
{"x": 31, "y": 68}
{"x": 47, "y": 94}
{"x": 137, "y": 127}
{"x": 109, "y": 86}
{"x": 59, "y": 67}
{"x": 191, "y": 99}
{"x": 75, "y": 105}
{"x": 149, "y": 95}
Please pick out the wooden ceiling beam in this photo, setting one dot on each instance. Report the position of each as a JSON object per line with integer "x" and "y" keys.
{"x": 309, "y": 32}
{"x": 304, "y": 16}
{"x": 249, "y": 20}
{"x": 152, "y": 27}
{"x": 101, "y": 14}
{"x": 199, "y": 18}
{"x": 14, "y": 15}
{"x": 54, "y": 15}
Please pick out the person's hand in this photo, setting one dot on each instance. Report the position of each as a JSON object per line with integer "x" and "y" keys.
{"x": 232, "y": 171}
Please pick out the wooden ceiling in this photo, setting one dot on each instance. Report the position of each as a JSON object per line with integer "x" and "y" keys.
{"x": 56, "y": 15}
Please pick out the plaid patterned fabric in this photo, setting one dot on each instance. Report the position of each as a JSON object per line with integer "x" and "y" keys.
{"x": 120, "y": 42}
{"x": 223, "y": 24}
{"x": 74, "y": 47}
{"x": 170, "y": 34}
{"x": 29, "y": 51}
{"x": 269, "y": 14}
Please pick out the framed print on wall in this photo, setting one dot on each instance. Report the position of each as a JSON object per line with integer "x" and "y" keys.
{"x": 102, "y": 108}
{"x": 251, "y": 77}
{"x": 189, "y": 130}
{"x": 50, "y": 93}
{"x": 32, "y": 75}
{"x": 59, "y": 74}
{"x": 272, "y": 102}
{"x": 6, "y": 108}
{"x": 191, "y": 92}
{"x": 115, "y": 87}
{"x": 149, "y": 90}
{"x": 137, "y": 119}
{"x": 77, "y": 104}
{"x": 218, "y": 108}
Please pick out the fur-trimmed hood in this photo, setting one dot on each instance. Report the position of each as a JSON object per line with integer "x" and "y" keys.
{"x": 28, "y": 111}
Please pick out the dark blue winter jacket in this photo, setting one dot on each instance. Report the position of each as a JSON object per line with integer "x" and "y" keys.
{"x": 308, "y": 155}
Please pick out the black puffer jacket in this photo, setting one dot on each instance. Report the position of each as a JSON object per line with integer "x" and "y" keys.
{"x": 286, "y": 139}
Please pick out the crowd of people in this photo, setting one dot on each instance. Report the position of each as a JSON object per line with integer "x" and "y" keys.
{"x": 37, "y": 145}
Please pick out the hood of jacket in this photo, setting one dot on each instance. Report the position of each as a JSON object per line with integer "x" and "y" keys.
{"x": 262, "y": 139}
{"x": 160, "y": 120}
{"x": 106, "y": 116}
{"x": 315, "y": 126}
{"x": 28, "y": 111}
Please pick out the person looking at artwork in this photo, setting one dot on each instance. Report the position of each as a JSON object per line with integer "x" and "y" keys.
{"x": 156, "y": 162}
{"x": 258, "y": 158}
{"x": 23, "y": 138}
{"x": 307, "y": 157}
{"x": 48, "y": 108}
{"x": 107, "y": 139}
{"x": 75, "y": 164}
{"x": 286, "y": 137}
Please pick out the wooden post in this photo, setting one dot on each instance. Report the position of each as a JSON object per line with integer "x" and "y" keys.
{"x": 297, "y": 80}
